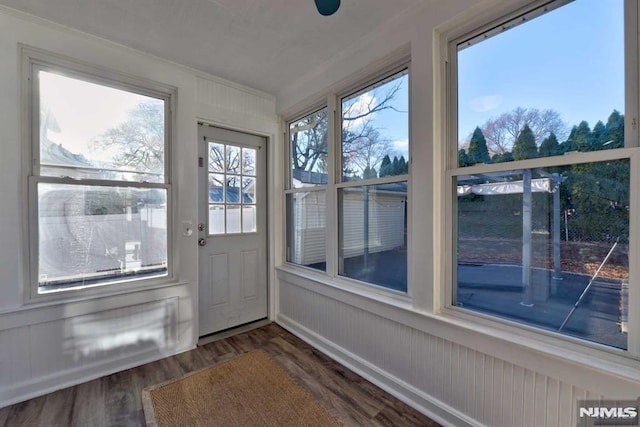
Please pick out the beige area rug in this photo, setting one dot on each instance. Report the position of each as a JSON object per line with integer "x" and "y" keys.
{"x": 249, "y": 390}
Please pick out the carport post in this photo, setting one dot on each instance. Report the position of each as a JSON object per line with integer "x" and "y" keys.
{"x": 557, "y": 274}
{"x": 527, "y": 299}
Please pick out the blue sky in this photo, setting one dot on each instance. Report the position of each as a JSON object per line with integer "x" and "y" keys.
{"x": 570, "y": 60}
{"x": 393, "y": 124}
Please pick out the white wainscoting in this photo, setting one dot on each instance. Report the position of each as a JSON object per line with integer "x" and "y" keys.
{"x": 443, "y": 378}
{"x": 64, "y": 349}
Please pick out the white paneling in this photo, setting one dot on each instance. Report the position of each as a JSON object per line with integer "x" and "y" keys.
{"x": 215, "y": 94}
{"x": 219, "y": 274}
{"x": 14, "y": 357}
{"x": 250, "y": 273}
{"x": 44, "y": 356}
{"x": 473, "y": 385}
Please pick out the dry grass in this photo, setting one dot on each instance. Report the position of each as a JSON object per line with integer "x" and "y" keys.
{"x": 576, "y": 257}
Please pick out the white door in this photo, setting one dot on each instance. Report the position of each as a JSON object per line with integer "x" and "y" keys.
{"x": 232, "y": 229}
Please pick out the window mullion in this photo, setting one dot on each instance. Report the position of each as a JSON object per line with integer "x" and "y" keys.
{"x": 633, "y": 302}
{"x": 334, "y": 127}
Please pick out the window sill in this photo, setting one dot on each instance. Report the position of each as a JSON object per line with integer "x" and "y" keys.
{"x": 533, "y": 342}
{"x": 353, "y": 287}
{"x": 80, "y": 296}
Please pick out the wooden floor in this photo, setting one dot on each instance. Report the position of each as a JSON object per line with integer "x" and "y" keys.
{"x": 115, "y": 400}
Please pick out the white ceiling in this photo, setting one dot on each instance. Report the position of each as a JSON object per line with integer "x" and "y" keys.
{"x": 264, "y": 44}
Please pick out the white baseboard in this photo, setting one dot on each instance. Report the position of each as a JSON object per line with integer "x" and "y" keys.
{"x": 417, "y": 399}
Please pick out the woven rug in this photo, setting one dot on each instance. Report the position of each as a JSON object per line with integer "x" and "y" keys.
{"x": 249, "y": 390}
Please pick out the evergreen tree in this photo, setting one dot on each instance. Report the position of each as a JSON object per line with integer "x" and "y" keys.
{"x": 403, "y": 166}
{"x": 580, "y": 138}
{"x": 525, "y": 145}
{"x": 463, "y": 159}
{"x": 507, "y": 156}
{"x": 615, "y": 130}
{"x": 395, "y": 166}
{"x": 550, "y": 146}
{"x": 599, "y": 136}
{"x": 385, "y": 166}
{"x": 369, "y": 173}
{"x": 478, "y": 151}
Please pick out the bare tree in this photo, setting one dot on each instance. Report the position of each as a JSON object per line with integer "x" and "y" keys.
{"x": 502, "y": 132}
{"x": 139, "y": 139}
{"x": 363, "y": 145}
{"x": 309, "y": 142}
{"x": 367, "y": 151}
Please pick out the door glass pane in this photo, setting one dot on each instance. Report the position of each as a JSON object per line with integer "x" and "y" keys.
{"x": 216, "y": 219}
{"x": 216, "y": 157}
{"x": 233, "y": 219}
{"x": 249, "y": 190}
{"x": 249, "y": 219}
{"x": 233, "y": 189}
{"x": 121, "y": 137}
{"x": 216, "y": 188}
{"x": 233, "y": 159}
{"x": 91, "y": 234}
{"x": 248, "y": 161}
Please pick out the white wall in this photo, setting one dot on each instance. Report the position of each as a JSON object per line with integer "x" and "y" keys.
{"x": 44, "y": 347}
{"x": 451, "y": 368}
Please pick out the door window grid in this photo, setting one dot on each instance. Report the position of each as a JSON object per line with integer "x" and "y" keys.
{"x": 232, "y": 189}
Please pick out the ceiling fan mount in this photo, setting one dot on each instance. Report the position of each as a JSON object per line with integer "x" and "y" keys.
{"x": 327, "y": 7}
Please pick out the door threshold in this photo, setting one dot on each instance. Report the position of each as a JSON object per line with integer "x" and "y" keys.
{"x": 226, "y": 333}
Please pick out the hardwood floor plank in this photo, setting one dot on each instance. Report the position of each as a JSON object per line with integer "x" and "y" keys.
{"x": 26, "y": 413}
{"x": 58, "y": 407}
{"x": 89, "y": 405}
{"x": 115, "y": 400}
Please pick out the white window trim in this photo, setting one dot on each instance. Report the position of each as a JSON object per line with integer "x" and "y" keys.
{"x": 32, "y": 61}
{"x": 469, "y": 24}
{"x": 360, "y": 81}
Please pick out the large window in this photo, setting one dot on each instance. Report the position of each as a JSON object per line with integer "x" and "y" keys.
{"x": 99, "y": 181}
{"x": 538, "y": 239}
{"x": 373, "y": 217}
{"x": 348, "y": 179}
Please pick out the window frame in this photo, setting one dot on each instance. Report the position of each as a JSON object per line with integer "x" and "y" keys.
{"x": 332, "y": 101}
{"x": 471, "y": 27}
{"x": 33, "y": 61}
{"x": 290, "y": 189}
{"x": 341, "y": 184}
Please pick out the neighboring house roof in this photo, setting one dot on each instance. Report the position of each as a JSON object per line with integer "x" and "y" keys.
{"x": 309, "y": 177}
{"x": 55, "y": 154}
{"x": 216, "y": 194}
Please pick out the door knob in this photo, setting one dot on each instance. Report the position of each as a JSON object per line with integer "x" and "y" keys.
{"x": 202, "y": 242}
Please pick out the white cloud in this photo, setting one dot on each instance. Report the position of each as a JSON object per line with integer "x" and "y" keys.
{"x": 360, "y": 106}
{"x": 401, "y": 146}
{"x": 485, "y": 103}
